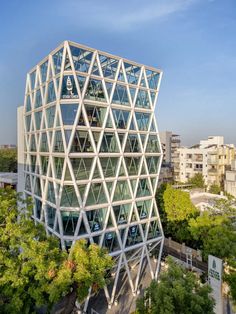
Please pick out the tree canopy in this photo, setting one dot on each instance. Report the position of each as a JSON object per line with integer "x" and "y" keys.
{"x": 34, "y": 272}
{"x": 197, "y": 181}
{"x": 177, "y": 204}
{"x": 177, "y": 291}
{"x": 8, "y": 160}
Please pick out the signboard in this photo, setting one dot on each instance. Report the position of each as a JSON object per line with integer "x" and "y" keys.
{"x": 69, "y": 90}
{"x": 215, "y": 267}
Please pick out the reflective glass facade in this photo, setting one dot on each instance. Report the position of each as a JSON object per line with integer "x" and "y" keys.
{"x": 92, "y": 153}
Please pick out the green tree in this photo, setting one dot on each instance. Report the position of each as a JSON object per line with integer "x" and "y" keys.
{"x": 177, "y": 204}
{"x": 34, "y": 272}
{"x": 230, "y": 278}
{"x": 8, "y": 160}
{"x": 214, "y": 189}
{"x": 177, "y": 291}
{"x": 197, "y": 181}
{"x": 175, "y": 228}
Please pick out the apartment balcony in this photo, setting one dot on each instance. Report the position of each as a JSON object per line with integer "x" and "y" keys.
{"x": 212, "y": 161}
{"x": 197, "y": 169}
{"x": 212, "y": 172}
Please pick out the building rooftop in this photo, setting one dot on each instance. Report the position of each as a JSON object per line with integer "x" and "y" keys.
{"x": 8, "y": 177}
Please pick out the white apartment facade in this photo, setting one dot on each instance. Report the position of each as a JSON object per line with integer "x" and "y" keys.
{"x": 230, "y": 180}
{"x": 210, "y": 158}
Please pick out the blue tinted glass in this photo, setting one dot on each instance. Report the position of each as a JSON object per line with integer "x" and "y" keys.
{"x": 68, "y": 113}
{"x": 81, "y": 58}
{"x": 57, "y": 59}
{"x": 43, "y": 70}
{"x": 51, "y": 92}
{"x": 38, "y": 99}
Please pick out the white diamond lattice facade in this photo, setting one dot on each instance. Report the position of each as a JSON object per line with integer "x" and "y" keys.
{"x": 92, "y": 155}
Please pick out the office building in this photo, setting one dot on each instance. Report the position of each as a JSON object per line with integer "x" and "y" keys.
{"x": 91, "y": 154}
{"x": 170, "y": 164}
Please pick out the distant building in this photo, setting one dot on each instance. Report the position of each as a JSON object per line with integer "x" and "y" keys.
{"x": 211, "y": 158}
{"x": 230, "y": 179}
{"x": 8, "y": 179}
{"x": 7, "y": 146}
{"x": 170, "y": 143}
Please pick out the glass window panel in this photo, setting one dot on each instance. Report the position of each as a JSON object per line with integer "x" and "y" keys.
{"x": 50, "y": 115}
{"x": 58, "y": 164}
{"x": 28, "y": 103}
{"x": 38, "y": 207}
{"x": 153, "y": 144}
{"x": 132, "y": 165}
{"x": 153, "y": 78}
{"x": 134, "y": 236}
{"x": 51, "y": 193}
{"x": 38, "y": 99}
{"x": 81, "y": 142}
{"x": 96, "y": 195}
{"x": 27, "y": 183}
{"x": 37, "y": 187}
{"x": 57, "y": 60}
{"x": 143, "y": 208}
{"x": 51, "y": 214}
{"x": 69, "y": 222}
{"x": 143, "y": 188}
{"x": 132, "y": 73}
{"x": 68, "y": 113}
{"x": 81, "y": 80}
{"x": 51, "y": 93}
{"x": 58, "y": 142}
{"x": 33, "y": 143}
{"x": 122, "y": 213}
{"x": 153, "y": 231}
{"x": 44, "y": 165}
{"x": 111, "y": 242}
{"x": 38, "y": 117}
{"x": 109, "y": 143}
{"x": 132, "y": 144}
{"x": 95, "y": 91}
{"x": 43, "y": 70}
{"x": 109, "y": 66}
{"x": 81, "y": 167}
{"x": 152, "y": 163}
{"x": 28, "y": 123}
{"x": 96, "y": 219}
{"x": 142, "y": 120}
{"x": 120, "y": 95}
{"x": 33, "y": 163}
{"x": 109, "y": 166}
{"x": 44, "y": 142}
{"x": 142, "y": 100}
{"x": 81, "y": 58}
{"x": 32, "y": 79}
{"x": 122, "y": 191}
{"x": 68, "y": 197}
{"x": 95, "y": 115}
{"x": 121, "y": 118}
{"x": 69, "y": 90}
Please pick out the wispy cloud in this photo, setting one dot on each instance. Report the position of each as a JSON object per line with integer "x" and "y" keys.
{"x": 122, "y": 16}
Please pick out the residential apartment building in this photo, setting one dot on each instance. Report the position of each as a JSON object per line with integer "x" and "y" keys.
{"x": 210, "y": 158}
{"x": 170, "y": 143}
{"x": 91, "y": 155}
{"x": 230, "y": 179}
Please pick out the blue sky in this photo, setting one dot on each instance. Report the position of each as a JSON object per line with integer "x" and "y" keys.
{"x": 193, "y": 41}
